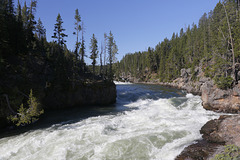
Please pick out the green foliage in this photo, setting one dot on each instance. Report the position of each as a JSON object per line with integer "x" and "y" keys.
{"x": 208, "y": 40}
{"x": 29, "y": 61}
{"x": 223, "y": 82}
{"x": 208, "y": 72}
{"x": 231, "y": 152}
{"x": 29, "y": 114}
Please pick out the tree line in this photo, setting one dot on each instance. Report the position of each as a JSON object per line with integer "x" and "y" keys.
{"x": 29, "y": 62}
{"x": 213, "y": 44}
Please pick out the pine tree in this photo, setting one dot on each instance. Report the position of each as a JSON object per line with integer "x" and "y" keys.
{"x": 94, "y": 51}
{"x": 82, "y": 49}
{"x": 40, "y": 30}
{"x": 77, "y": 29}
{"x": 30, "y": 26}
{"x": 19, "y": 12}
{"x": 58, "y": 31}
{"x": 31, "y": 17}
{"x": 112, "y": 51}
{"x": 25, "y": 14}
{"x": 105, "y": 52}
{"x": 101, "y": 62}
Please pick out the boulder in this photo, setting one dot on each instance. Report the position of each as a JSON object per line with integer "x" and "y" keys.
{"x": 219, "y": 100}
{"x": 200, "y": 150}
{"x": 216, "y": 134}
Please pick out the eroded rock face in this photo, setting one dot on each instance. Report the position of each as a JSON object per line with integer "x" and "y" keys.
{"x": 216, "y": 134}
{"x": 191, "y": 82}
{"x": 215, "y": 99}
{"x": 226, "y": 130}
{"x": 227, "y": 101}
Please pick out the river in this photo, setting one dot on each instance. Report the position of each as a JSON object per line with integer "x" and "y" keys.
{"x": 148, "y": 122}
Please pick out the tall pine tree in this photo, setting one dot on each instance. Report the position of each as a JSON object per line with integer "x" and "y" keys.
{"x": 112, "y": 51}
{"x": 94, "y": 51}
{"x": 58, "y": 31}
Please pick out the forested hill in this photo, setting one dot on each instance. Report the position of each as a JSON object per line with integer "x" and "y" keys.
{"x": 214, "y": 44}
{"x": 31, "y": 67}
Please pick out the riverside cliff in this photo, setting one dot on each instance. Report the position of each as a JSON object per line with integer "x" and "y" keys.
{"x": 84, "y": 95}
{"x": 88, "y": 94}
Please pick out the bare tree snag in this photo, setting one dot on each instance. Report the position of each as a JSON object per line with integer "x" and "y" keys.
{"x": 231, "y": 43}
{"x": 10, "y": 108}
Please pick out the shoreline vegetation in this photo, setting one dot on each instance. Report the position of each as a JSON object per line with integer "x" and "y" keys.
{"x": 37, "y": 75}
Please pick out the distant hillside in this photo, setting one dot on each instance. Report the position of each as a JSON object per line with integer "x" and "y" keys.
{"x": 214, "y": 42}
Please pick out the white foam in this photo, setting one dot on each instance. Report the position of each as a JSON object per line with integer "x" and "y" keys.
{"x": 121, "y": 83}
{"x": 155, "y": 130}
{"x": 189, "y": 95}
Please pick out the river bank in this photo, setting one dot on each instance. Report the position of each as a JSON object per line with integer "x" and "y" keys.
{"x": 82, "y": 96}
{"x": 216, "y": 133}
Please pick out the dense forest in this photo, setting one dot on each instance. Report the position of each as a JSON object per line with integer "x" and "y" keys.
{"x": 30, "y": 66}
{"x": 213, "y": 44}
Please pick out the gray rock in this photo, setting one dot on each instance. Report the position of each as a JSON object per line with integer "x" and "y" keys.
{"x": 216, "y": 134}
{"x": 215, "y": 99}
{"x": 184, "y": 73}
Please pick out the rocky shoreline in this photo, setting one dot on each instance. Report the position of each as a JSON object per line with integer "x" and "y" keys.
{"x": 216, "y": 133}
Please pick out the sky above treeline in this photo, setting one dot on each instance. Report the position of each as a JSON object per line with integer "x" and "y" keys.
{"x": 135, "y": 24}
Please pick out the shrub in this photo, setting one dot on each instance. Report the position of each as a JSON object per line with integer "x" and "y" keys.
{"x": 29, "y": 114}
{"x": 231, "y": 152}
{"x": 223, "y": 82}
{"x": 208, "y": 72}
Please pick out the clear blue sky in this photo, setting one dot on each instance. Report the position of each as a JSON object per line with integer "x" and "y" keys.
{"x": 135, "y": 24}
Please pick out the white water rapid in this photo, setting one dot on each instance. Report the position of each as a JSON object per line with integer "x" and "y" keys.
{"x": 148, "y": 129}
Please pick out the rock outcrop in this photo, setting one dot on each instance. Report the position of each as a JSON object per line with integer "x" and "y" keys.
{"x": 195, "y": 81}
{"x": 215, "y": 99}
{"x": 216, "y": 134}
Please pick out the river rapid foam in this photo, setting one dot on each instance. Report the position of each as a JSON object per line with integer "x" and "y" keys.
{"x": 155, "y": 128}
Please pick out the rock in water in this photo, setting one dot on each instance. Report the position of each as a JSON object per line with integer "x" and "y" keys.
{"x": 216, "y": 134}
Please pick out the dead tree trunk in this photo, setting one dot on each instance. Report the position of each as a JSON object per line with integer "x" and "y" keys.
{"x": 9, "y": 106}
{"x": 231, "y": 43}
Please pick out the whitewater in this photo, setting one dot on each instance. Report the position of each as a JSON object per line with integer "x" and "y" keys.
{"x": 148, "y": 122}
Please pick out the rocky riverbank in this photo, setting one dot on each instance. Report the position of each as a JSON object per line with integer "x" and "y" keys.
{"x": 215, "y": 99}
{"x": 216, "y": 133}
